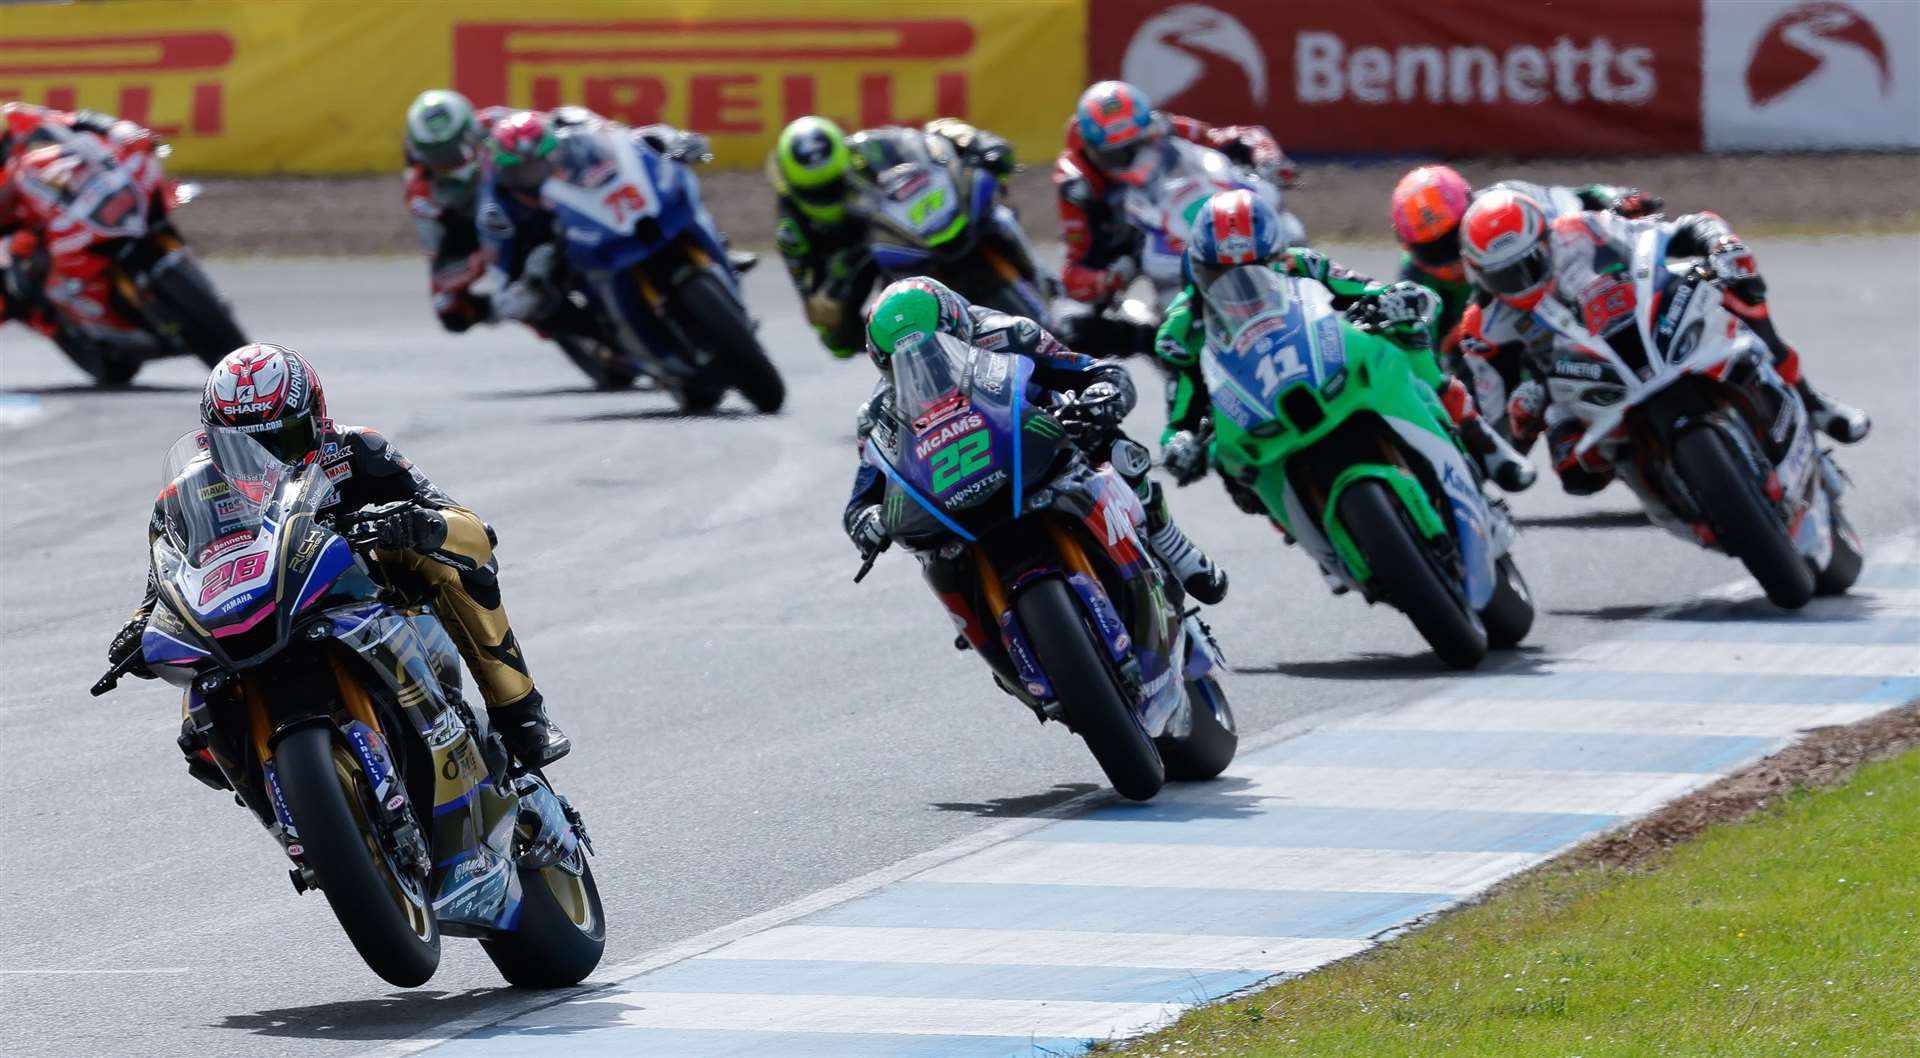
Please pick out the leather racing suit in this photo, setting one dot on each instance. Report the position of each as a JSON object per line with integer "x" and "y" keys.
{"x": 1591, "y": 252}
{"x": 1099, "y": 240}
{"x": 829, "y": 262}
{"x": 443, "y": 207}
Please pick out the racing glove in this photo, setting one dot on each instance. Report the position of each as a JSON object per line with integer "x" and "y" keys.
{"x": 126, "y": 647}
{"x": 403, "y": 526}
{"x": 1184, "y": 457}
{"x": 1404, "y": 310}
{"x": 1100, "y": 406}
{"x": 1634, "y": 202}
{"x": 1732, "y": 264}
{"x": 869, "y": 531}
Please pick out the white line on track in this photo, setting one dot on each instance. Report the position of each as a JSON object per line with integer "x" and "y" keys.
{"x": 728, "y": 1011}
{"x": 1570, "y": 716}
{"x": 1745, "y": 659}
{"x": 1461, "y": 789}
{"x": 1035, "y": 947}
{"x": 1234, "y": 867}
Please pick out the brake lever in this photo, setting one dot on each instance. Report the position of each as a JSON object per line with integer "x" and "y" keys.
{"x": 112, "y": 678}
{"x": 866, "y": 566}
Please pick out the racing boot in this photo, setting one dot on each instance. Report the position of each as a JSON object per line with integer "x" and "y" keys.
{"x": 530, "y": 736}
{"x": 1203, "y": 580}
{"x": 1840, "y": 421}
{"x": 1498, "y": 460}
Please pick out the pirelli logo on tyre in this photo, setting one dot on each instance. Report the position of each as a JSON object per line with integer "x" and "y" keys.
{"x": 739, "y": 80}
{"x": 171, "y": 82}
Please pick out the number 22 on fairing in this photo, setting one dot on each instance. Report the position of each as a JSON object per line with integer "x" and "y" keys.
{"x": 961, "y": 459}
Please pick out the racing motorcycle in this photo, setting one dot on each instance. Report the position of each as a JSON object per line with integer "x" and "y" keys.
{"x": 931, "y": 215}
{"x": 1356, "y": 459}
{"x": 109, "y": 210}
{"x": 1685, "y": 402}
{"x": 1162, "y": 210}
{"x": 654, "y": 272}
{"x": 1054, "y": 587}
{"x": 329, "y": 701}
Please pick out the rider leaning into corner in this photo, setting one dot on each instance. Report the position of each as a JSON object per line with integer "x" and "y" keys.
{"x": 31, "y": 216}
{"x": 824, "y": 243}
{"x": 1235, "y": 228}
{"x": 1115, "y": 140}
{"x": 912, "y": 308}
{"x": 1523, "y": 260}
{"x": 269, "y": 395}
{"x": 442, "y": 179}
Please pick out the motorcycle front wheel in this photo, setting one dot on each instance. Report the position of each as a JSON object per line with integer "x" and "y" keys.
{"x": 190, "y": 307}
{"x": 1743, "y": 521}
{"x": 718, "y": 324}
{"x": 1086, "y": 687}
{"x": 388, "y": 917}
{"x": 1405, "y": 574}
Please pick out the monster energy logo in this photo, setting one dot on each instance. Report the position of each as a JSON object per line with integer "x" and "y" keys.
{"x": 1044, "y": 426}
{"x": 895, "y": 502}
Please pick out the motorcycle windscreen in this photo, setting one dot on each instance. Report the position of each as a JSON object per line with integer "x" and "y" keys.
{"x": 1265, "y": 333}
{"x": 917, "y": 195}
{"x": 957, "y": 408}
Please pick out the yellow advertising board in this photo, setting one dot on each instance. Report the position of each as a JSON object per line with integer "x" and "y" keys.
{"x": 319, "y": 86}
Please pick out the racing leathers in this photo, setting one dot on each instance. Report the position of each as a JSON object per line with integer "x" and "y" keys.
{"x": 1101, "y": 246}
{"x": 517, "y": 235}
{"x": 1591, "y": 252}
{"x": 1057, "y": 373}
{"x": 830, "y": 262}
{"x": 443, "y": 206}
{"x": 444, "y": 553}
{"x": 1404, "y": 311}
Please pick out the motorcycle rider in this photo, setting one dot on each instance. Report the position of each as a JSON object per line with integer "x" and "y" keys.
{"x": 1520, "y": 257}
{"x": 270, "y": 396}
{"x": 824, "y": 243}
{"x": 1236, "y": 228}
{"x": 913, "y": 308}
{"x": 1116, "y": 140}
{"x": 31, "y": 214}
{"x": 443, "y": 138}
{"x": 517, "y": 229}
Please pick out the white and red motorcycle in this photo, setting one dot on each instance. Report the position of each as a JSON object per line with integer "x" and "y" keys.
{"x": 1162, "y": 210}
{"x": 1686, "y": 404}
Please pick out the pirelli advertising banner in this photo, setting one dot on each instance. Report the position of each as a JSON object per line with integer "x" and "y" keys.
{"x": 1528, "y": 78}
{"x": 319, "y": 86}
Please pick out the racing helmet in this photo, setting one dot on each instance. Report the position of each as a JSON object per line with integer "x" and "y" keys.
{"x": 520, "y": 146}
{"x": 1504, "y": 242}
{"x": 809, "y": 166}
{"x": 1119, "y": 131}
{"x": 1428, "y": 204}
{"x": 914, "y": 308}
{"x": 1233, "y": 228}
{"x": 441, "y": 131}
{"x": 266, "y": 395}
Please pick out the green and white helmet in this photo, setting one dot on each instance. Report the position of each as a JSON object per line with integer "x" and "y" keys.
{"x": 441, "y": 131}
{"x": 910, "y": 309}
{"x": 809, "y": 166}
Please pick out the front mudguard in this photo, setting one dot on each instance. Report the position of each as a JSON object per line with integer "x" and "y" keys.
{"x": 1405, "y": 487}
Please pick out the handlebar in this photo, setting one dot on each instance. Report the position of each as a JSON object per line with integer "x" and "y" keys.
{"x": 112, "y": 678}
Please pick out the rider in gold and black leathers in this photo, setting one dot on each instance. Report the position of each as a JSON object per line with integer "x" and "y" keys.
{"x": 425, "y": 541}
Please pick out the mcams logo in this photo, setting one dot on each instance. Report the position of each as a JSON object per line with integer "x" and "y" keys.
{"x": 1327, "y": 70}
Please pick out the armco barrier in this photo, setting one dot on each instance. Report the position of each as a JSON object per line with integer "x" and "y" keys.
{"x": 1492, "y": 76}
{"x": 317, "y": 86}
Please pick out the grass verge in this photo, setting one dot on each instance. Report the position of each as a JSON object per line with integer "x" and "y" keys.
{"x": 1796, "y": 931}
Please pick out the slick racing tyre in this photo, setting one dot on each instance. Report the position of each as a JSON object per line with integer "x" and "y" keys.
{"x": 1508, "y": 616}
{"x": 598, "y": 362}
{"x": 1210, "y": 746}
{"x": 1743, "y": 521}
{"x": 1844, "y": 567}
{"x": 191, "y": 313}
{"x": 1406, "y": 575}
{"x": 1088, "y": 689}
{"x": 718, "y": 324}
{"x": 561, "y": 933}
{"x": 386, "y": 912}
{"x": 106, "y": 366}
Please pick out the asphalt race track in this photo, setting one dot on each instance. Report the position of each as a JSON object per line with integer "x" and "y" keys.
{"x": 750, "y": 726}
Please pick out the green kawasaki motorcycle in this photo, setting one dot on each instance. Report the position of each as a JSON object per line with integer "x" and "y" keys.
{"x": 1356, "y": 459}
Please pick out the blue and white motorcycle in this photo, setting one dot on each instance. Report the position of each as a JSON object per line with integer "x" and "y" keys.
{"x": 639, "y": 241}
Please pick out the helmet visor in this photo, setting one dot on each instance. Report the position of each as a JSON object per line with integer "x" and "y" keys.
{"x": 1523, "y": 275}
{"x": 443, "y": 157}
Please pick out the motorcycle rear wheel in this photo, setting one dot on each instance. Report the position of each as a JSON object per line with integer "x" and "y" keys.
{"x": 394, "y": 933}
{"x": 718, "y": 324}
{"x": 1404, "y": 574}
{"x": 1742, "y": 520}
{"x": 1210, "y": 746}
{"x": 1086, "y": 686}
{"x": 596, "y": 362}
{"x": 1508, "y": 616}
{"x": 204, "y": 323}
{"x": 561, "y": 934}
{"x": 1844, "y": 567}
{"x": 105, "y": 368}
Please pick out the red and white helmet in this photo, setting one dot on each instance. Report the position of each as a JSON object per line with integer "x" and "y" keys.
{"x": 1504, "y": 242}
{"x": 269, "y": 394}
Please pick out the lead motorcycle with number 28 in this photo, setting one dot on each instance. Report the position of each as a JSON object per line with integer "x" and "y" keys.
{"x": 329, "y": 701}
{"x": 1086, "y": 628}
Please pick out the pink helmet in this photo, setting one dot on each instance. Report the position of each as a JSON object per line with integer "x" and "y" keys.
{"x": 1428, "y": 204}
